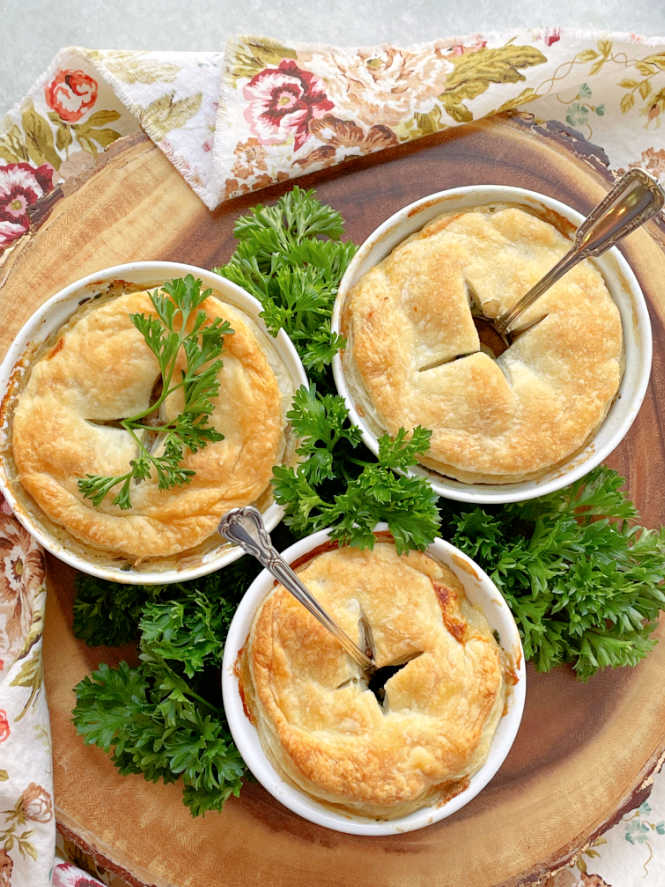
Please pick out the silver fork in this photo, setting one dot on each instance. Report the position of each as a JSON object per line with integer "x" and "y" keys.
{"x": 245, "y": 527}
{"x": 633, "y": 200}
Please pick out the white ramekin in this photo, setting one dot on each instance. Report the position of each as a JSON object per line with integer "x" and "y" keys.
{"x": 43, "y": 324}
{"x": 625, "y": 291}
{"x": 480, "y": 590}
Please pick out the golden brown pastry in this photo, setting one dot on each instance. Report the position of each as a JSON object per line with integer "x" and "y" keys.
{"x": 322, "y": 727}
{"x": 100, "y": 370}
{"x": 414, "y": 357}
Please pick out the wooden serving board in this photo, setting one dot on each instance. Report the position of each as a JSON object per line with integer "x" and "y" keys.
{"x": 585, "y": 752}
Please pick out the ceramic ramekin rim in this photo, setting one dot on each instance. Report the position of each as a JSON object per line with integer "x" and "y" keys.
{"x": 417, "y": 214}
{"x": 39, "y": 319}
{"x": 477, "y": 583}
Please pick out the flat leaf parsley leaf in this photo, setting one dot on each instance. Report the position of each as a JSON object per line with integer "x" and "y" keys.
{"x": 177, "y": 325}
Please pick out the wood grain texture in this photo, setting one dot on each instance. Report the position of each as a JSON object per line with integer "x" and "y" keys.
{"x": 584, "y": 751}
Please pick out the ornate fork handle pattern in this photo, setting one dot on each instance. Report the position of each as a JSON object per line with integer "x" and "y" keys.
{"x": 634, "y": 199}
{"x": 244, "y": 527}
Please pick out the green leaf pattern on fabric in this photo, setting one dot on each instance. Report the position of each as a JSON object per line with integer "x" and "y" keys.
{"x": 167, "y": 113}
{"x": 39, "y": 138}
{"x": 13, "y": 148}
{"x": 475, "y": 72}
{"x": 30, "y": 676}
{"x": 135, "y": 67}
{"x": 252, "y": 56}
{"x": 421, "y": 125}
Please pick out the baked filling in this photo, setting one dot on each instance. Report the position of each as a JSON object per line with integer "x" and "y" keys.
{"x": 413, "y": 355}
{"x": 322, "y": 727}
{"x": 99, "y": 370}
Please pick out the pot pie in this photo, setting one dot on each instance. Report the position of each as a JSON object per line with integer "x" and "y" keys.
{"x": 99, "y": 369}
{"x": 322, "y": 728}
{"x": 413, "y": 354}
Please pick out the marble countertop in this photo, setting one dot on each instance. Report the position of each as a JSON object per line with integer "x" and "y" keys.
{"x": 33, "y": 30}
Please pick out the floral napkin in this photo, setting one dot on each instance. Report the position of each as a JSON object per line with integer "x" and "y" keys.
{"x": 233, "y": 122}
{"x": 262, "y": 111}
{"x": 27, "y": 826}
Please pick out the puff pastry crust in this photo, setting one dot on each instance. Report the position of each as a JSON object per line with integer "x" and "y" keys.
{"x": 414, "y": 357}
{"x": 101, "y": 370}
{"x": 325, "y": 730}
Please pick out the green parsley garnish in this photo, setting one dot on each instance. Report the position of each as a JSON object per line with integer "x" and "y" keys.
{"x": 583, "y": 579}
{"x": 178, "y": 325}
{"x": 164, "y": 717}
{"x": 282, "y": 261}
{"x": 348, "y": 490}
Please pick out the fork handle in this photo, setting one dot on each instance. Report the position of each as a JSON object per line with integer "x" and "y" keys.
{"x": 633, "y": 200}
{"x": 245, "y": 527}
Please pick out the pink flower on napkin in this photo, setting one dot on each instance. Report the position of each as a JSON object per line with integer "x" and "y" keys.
{"x": 20, "y": 186}
{"x": 462, "y": 49}
{"x": 21, "y": 581}
{"x": 71, "y": 94}
{"x": 4, "y": 725}
{"x": 67, "y": 875}
{"x": 282, "y": 101}
{"x": 385, "y": 85}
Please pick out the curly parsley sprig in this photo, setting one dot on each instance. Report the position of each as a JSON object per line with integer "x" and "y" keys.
{"x": 583, "y": 579}
{"x": 282, "y": 260}
{"x": 337, "y": 486}
{"x": 177, "y": 325}
{"x": 163, "y": 717}
{"x": 291, "y": 258}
